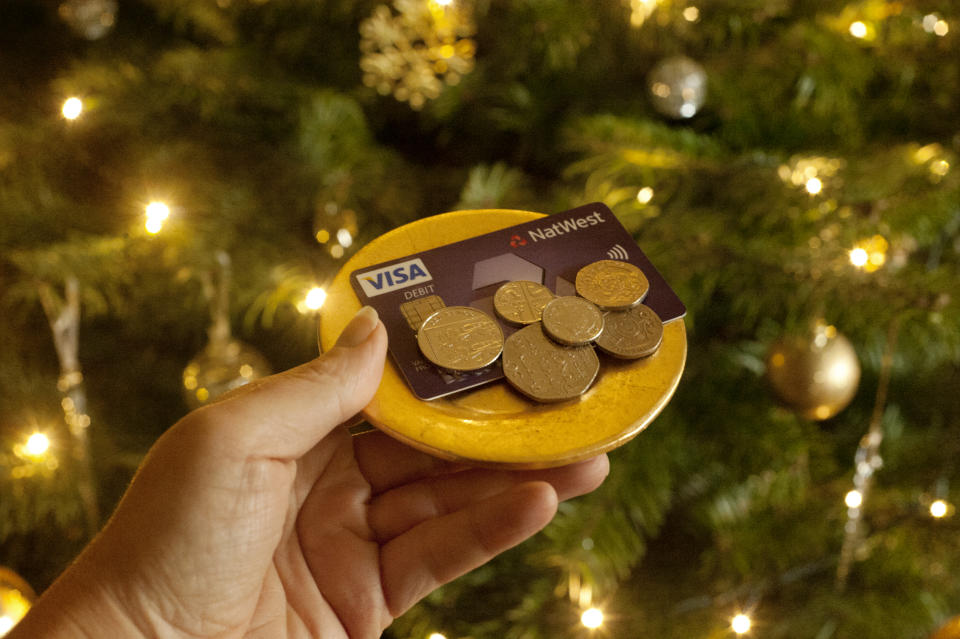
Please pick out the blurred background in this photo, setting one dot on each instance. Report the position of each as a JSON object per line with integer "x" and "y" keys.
{"x": 180, "y": 179}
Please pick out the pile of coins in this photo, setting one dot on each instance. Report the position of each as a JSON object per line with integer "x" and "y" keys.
{"x": 552, "y": 357}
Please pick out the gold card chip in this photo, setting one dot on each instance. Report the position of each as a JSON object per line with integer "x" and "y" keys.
{"x": 417, "y": 310}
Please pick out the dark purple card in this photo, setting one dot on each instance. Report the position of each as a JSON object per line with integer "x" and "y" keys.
{"x": 548, "y": 250}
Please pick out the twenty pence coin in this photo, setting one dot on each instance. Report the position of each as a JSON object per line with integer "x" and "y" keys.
{"x": 460, "y": 338}
{"x": 545, "y": 371}
{"x": 572, "y": 320}
{"x": 521, "y": 302}
{"x": 612, "y": 285}
{"x": 631, "y": 334}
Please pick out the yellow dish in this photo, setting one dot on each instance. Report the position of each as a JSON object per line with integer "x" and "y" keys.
{"x": 493, "y": 425}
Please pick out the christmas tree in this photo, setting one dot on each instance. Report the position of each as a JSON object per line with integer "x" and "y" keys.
{"x": 179, "y": 181}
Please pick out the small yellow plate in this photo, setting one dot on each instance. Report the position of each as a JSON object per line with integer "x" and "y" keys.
{"x": 493, "y": 425}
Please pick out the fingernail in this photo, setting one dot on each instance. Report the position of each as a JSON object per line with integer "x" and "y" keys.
{"x": 359, "y": 328}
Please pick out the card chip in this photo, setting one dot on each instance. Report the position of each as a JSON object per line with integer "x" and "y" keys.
{"x": 415, "y": 311}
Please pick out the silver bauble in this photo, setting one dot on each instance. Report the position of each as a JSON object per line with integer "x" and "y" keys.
{"x": 222, "y": 365}
{"x": 677, "y": 87}
{"x": 92, "y": 19}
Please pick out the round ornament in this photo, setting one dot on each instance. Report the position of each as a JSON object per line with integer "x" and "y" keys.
{"x": 493, "y": 425}
{"x": 222, "y": 365}
{"x": 91, "y": 19}
{"x": 949, "y": 630}
{"x": 677, "y": 87}
{"x": 815, "y": 374}
{"x": 16, "y": 597}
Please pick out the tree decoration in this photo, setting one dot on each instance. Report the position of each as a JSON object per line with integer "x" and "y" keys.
{"x": 335, "y": 228}
{"x": 224, "y": 363}
{"x": 416, "y": 48}
{"x": 677, "y": 87}
{"x": 16, "y": 597}
{"x": 91, "y": 19}
{"x": 816, "y": 374}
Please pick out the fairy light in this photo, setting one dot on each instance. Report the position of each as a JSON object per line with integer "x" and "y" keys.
{"x": 938, "y": 509}
{"x": 315, "y": 298}
{"x": 858, "y": 29}
{"x": 344, "y": 237}
{"x": 436, "y": 635}
{"x": 592, "y": 618}
{"x": 941, "y": 28}
{"x": 691, "y": 14}
{"x": 644, "y": 195}
{"x": 157, "y": 213}
{"x": 813, "y": 185}
{"x": 858, "y": 257}
{"x": 37, "y": 445}
{"x": 853, "y": 499}
{"x": 72, "y": 108}
{"x": 740, "y": 624}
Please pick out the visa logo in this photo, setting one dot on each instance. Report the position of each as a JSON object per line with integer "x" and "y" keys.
{"x": 393, "y": 277}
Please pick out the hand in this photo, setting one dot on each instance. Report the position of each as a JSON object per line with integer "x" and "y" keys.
{"x": 257, "y": 516}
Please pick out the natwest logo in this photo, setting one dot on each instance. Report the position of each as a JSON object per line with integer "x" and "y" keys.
{"x": 564, "y": 226}
{"x": 517, "y": 241}
{"x": 393, "y": 277}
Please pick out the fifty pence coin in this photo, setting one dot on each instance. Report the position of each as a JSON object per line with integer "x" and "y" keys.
{"x": 612, "y": 285}
{"x": 545, "y": 371}
{"x": 521, "y": 302}
{"x": 460, "y": 338}
{"x": 631, "y": 334}
{"x": 572, "y": 320}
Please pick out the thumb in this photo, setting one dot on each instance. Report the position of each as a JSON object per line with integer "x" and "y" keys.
{"x": 285, "y": 415}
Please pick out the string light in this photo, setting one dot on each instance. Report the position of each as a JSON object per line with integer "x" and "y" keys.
{"x": 157, "y": 213}
{"x": 740, "y": 624}
{"x": 72, "y": 108}
{"x": 344, "y": 237}
{"x": 315, "y": 298}
{"x": 37, "y": 445}
{"x": 870, "y": 254}
{"x": 813, "y": 186}
{"x": 858, "y": 29}
{"x": 592, "y": 618}
{"x": 436, "y": 635}
{"x": 932, "y": 23}
{"x": 644, "y": 195}
{"x": 853, "y": 499}
{"x": 691, "y": 14}
{"x": 938, "y": 509}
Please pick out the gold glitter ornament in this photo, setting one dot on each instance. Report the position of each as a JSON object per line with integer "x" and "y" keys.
{"x": 16, "y": 597}
{"x": 816, "y": 374}
{"x": 222, "y": 365}
{"x": 412, "y": 50}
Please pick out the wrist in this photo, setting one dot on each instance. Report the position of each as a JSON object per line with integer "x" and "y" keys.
{"x": 79, "y": 605}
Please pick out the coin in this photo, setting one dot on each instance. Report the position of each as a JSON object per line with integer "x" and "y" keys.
{"x": 612, "y": 285}
{"x": 545, "y": 371}
{"x": 521, "y": 302}
{"x": 572, "y": 320}
{"x": 420, "y": 309}
{"x": 460, "y": 338}
{"x": 631, "y": 334}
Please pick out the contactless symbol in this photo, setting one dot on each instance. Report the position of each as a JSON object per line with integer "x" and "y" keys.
{"x": 516, "y": 241}
{"x": 618, "y": 253}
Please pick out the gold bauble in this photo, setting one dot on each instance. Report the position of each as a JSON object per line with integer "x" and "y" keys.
{"x": 949, "y": 630}
{"x": 222, "y": 365}
{"x": 815, "y": 374}
{"x": 16, "y": 597}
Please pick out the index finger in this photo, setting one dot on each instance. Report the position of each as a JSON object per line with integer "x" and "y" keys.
{"x": 387, "y": 463}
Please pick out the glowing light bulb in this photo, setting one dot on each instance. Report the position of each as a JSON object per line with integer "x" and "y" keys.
{"x": 644, "y": 195}
{"x": 813, "y": 186}
{"x": 592, "y": 618}
{"x": 740, "y": 624}
{"x": 6, "y": 625}
{"x": 158, "y": 210}
{"x": 37, "y": 444}
{"x": 930, "y": 21}
{"x": 691, "y": 14}
{"x": 316, "y": 296}
{"x": 941, "y": 28}
{"x": 344, "y": 237}
{"x": 938, "y": 509}
{"x": 859, "y": 257}
{"x": 858, "y": 29}
{"x": 436, "y": 635}
{"x": 853, "y": 499}
{"x": 72, "y": 108}
{"x": 153, "y": 225}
